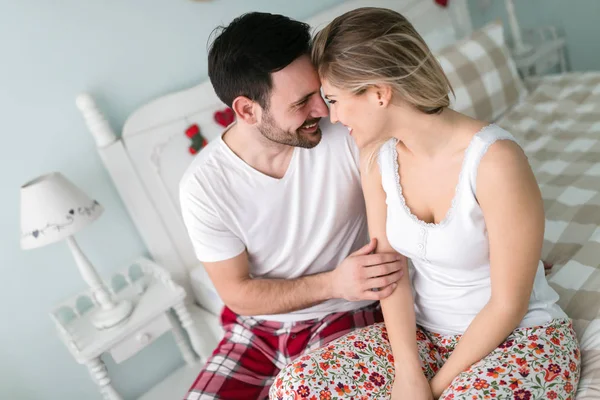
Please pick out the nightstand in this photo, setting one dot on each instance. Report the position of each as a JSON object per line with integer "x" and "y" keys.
{"x": 548, "y": 52}
{"x": 154, "y": 296}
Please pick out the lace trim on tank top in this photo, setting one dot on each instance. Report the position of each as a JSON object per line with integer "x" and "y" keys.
{"x": 455, "y": 198}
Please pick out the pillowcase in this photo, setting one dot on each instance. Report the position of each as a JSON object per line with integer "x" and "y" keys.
{"x": 483, "y": 74}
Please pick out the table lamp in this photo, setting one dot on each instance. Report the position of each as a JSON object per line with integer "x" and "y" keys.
{"x": 53, "y": 209}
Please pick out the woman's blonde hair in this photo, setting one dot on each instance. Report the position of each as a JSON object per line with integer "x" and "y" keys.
{"x": 370, "y": 46}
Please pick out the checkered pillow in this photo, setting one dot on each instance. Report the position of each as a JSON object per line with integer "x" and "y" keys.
{"x": 483, "y": 75}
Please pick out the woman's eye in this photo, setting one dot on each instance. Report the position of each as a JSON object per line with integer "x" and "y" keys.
{"x": 332, "y": 101}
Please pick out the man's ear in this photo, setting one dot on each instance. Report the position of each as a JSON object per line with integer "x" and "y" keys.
{"x": 246, "y": 110}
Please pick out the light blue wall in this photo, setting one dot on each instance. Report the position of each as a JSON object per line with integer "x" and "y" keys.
{"x": 125, "y": 53}
{"x": 579, "y": 20}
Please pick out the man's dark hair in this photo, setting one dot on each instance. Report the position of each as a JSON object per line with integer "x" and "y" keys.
{"x": 245, "y": 53}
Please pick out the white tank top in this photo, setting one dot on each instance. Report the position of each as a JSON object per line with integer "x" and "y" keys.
{"x": 450, "y": 269}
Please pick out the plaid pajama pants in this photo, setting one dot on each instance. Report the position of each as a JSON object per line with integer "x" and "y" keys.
{"x": 252, "y": 352}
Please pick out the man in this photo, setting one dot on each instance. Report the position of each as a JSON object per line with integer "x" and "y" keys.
{"x": 275, "y": 211}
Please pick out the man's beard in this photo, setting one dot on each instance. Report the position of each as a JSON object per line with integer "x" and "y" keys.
{"x": 269, "y": 129}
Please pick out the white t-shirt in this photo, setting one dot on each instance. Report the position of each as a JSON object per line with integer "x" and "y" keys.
{"x": 305, "y": 223}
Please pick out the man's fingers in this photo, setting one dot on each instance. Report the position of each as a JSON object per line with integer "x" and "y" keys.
{"x": 380, "y": 294}
{"x": 370, "y": 260}
{"x": 384, "y": 269}
{"x": 384, "y": 281}
{"x": 366, "y": 249}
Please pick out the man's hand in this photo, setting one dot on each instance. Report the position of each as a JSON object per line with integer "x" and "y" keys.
{"x": 366, "y": 276}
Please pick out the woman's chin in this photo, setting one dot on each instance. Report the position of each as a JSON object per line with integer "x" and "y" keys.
{"x": 358, "y": 141}
{"x": 361, "y": 142}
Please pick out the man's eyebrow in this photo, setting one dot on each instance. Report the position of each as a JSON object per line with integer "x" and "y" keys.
{"x": 303, "y": 99}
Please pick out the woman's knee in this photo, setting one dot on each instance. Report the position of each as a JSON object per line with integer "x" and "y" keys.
{"x": 283, "y": 388}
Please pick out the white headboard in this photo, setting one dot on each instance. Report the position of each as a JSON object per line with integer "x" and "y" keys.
{"x": 148, "y": 160}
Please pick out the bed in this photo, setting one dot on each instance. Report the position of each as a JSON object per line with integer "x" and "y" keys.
{"x": 556, "y": 119}
{"x": 558, "y": 126}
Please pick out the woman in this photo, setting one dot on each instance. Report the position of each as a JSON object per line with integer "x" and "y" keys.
{"x": 458, "y": 197}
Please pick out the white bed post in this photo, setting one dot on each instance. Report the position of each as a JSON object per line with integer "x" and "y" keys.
{"x": 461, "y": 18}
{"x": 95, "y": 120}
{"x": 134, "y": 195}
{"x": 520, "y": 48}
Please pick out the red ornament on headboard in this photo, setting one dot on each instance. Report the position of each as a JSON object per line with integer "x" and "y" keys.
{"x": 443, "y": 3}
{"x": 225, "y": 117}
{"x": 198, "y": 141}
{"x": 192, "y": 131}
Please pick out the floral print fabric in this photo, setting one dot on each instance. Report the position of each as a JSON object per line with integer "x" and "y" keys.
{"x": 540, "y": 362}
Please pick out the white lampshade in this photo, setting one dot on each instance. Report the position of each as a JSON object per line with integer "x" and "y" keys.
{"x": 52, "y": 209}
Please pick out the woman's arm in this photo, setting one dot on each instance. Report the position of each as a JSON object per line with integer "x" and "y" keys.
{"x": 513, "y": 210}
{"x": 398, "y": 308}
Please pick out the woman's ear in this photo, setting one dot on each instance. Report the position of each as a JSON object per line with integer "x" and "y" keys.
{"x": 246, "y": 110}
{"x": 381, "y": 95}
{"x": 384, "y": 95}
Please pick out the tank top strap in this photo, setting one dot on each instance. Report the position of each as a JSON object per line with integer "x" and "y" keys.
{"x": 388, "y": 167}
{"x": 479, "y": 145}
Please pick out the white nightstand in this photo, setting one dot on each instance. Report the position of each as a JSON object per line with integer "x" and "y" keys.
{"x": 153, "y": 294}
{"x": 548, "y": 52}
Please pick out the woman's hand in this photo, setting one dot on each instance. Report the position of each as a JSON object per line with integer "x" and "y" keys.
{"x": 437, "y": 387}
{"x": 411, "y": 388}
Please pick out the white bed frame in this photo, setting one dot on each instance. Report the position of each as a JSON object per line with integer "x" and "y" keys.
{"x": 144, "y": 162}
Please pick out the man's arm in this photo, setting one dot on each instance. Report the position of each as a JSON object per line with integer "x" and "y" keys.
{"x": 352, "y": 280}
{"x": 226, "y": 261}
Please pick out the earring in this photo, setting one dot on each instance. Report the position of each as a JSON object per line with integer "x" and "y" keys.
{"x": 381, "y": 103}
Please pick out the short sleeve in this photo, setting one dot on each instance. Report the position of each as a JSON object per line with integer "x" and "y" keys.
{"x": 211, "y": 238}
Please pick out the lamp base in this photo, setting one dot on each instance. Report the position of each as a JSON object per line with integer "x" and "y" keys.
{"x": 103, "y": 319}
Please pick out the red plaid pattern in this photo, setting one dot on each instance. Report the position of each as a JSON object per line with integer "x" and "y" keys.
{"x": 252, "y": 352}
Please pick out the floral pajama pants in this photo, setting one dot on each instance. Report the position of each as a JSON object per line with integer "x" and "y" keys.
{"x": 541, "y": 362}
